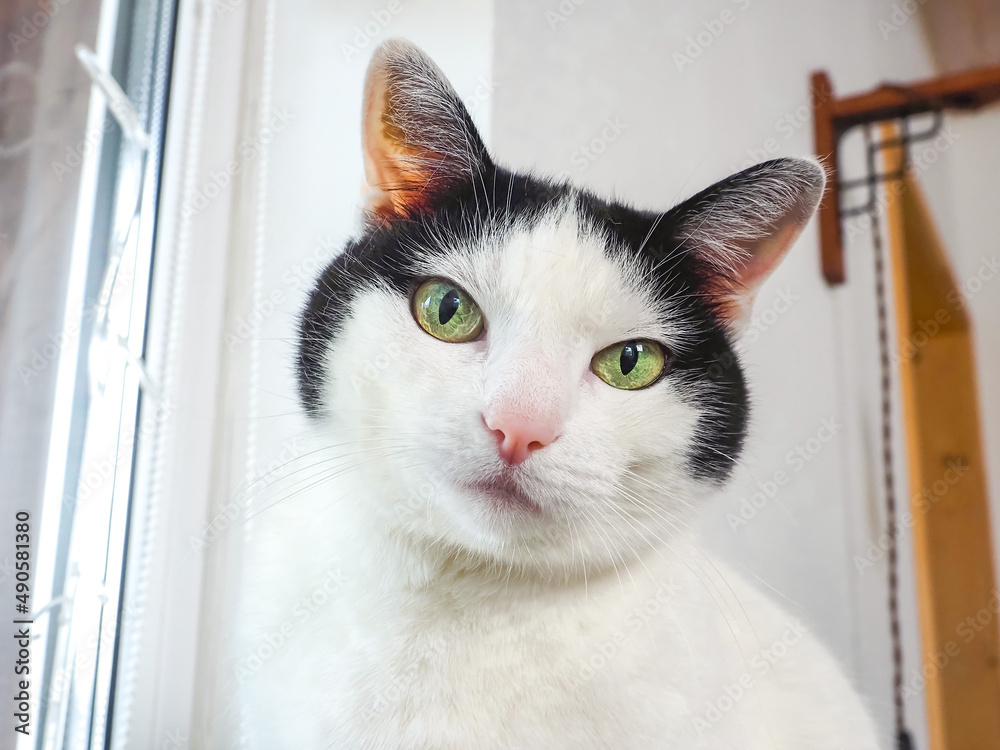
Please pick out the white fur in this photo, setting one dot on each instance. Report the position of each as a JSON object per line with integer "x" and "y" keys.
{"x": 389, "y": 608}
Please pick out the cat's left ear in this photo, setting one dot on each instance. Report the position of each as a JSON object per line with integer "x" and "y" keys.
{"x": 741, "y": 228}
{"x": 419, "y": 139}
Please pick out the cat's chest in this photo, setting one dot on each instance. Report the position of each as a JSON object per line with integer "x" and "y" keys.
{"x": 567, "y": 670}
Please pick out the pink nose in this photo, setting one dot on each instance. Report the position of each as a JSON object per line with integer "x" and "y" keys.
{"x": 517, "y": 436}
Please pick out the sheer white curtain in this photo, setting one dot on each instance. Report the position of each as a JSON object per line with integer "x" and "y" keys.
{"x": 80, "y": 180}
{"x": 44, "y": 104}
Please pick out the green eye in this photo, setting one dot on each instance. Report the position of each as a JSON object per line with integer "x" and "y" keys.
{"x": 630, "y": 364}
{"x": 446, "y": 312}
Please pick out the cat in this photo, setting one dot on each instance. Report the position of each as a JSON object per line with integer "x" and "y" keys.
{"x": 521, "y": 395}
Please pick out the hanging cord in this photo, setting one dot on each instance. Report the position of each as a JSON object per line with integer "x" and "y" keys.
{"x": 904, "y": 740}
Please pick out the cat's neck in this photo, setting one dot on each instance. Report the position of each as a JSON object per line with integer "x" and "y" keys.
{"x": 379, "y": 558}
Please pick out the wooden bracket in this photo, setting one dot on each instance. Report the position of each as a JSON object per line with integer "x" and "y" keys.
{"x": 833, "y": 117}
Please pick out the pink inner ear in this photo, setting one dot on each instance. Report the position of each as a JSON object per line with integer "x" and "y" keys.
{"x": 418, "y": 138}
{"x": 396, "y": 172}
{"x": 744, "y": 225}
{"x": 764, "y": 258}
{"x": 389, "y": 167}
{"x": 768, "y": 254}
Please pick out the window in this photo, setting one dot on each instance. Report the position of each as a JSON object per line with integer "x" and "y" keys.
{"x": 104, "y": 401}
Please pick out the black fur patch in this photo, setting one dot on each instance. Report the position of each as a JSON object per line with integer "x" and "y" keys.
{"x": 708, "y": 372}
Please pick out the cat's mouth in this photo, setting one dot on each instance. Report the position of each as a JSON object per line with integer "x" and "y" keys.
{"x": 504, "y": 494}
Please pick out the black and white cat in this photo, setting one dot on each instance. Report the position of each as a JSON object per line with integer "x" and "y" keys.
{"x": 521, "y": 394}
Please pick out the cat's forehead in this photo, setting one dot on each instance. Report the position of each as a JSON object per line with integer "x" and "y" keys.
{"x": 557, "y": 271}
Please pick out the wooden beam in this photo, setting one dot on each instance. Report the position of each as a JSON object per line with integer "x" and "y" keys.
{"x": 949, "y": 504}
{"x": 833, "y": 117}
{"x": 831, "y": 257}
{"x": 967, "y": 91}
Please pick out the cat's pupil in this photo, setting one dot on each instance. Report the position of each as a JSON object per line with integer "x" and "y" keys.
{"x": 629, "y": 358}
{"x": 449, "y": 306}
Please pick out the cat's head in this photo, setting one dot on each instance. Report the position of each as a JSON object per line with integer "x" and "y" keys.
{"x": 520, "y": 370}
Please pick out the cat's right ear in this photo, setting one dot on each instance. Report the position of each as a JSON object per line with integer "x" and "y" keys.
{"x": 741, "y": 228}
{"x": 418, "y": 138}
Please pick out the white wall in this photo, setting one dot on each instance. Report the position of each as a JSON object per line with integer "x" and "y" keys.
{"x": 565, "y": 69}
